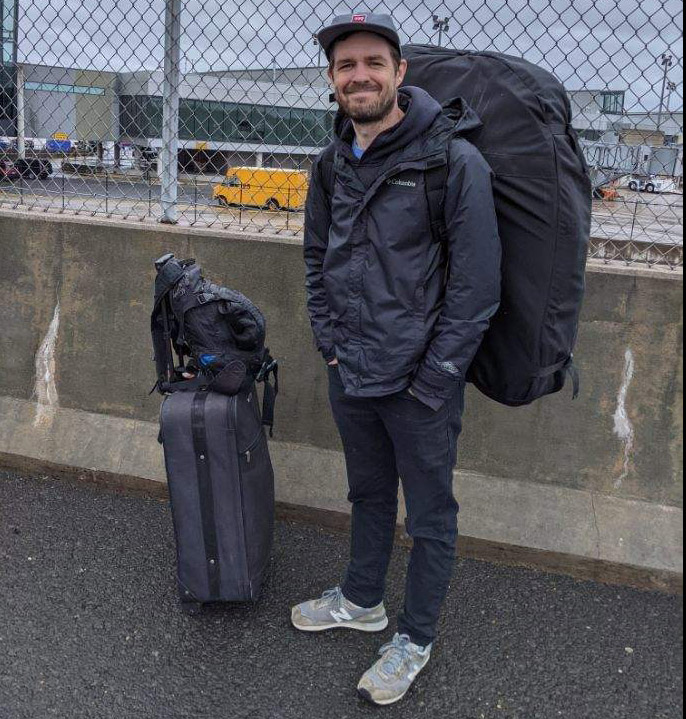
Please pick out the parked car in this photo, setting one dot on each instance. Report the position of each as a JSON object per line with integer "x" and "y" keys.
{"x": 34, "y": 168}
{"x": 649, "y": 184}
{"x": 8, "y": 171}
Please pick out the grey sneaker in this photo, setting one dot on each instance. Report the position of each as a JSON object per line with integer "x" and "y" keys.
{"x": 333, "y": 611}
{"x": 389, "y": 679}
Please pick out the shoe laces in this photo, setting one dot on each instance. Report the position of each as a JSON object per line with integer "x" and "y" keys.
{"x": 395, "y": 654}
{"x": 331, "y": 596}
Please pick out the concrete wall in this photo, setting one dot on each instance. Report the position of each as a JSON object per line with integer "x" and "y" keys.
{"x": 620, "y": 442}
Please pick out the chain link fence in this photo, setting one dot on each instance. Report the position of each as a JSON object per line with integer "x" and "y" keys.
{"x": 210, "y": 114}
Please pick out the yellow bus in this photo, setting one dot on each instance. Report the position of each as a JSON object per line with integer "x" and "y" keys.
{"x": 265, "y": 187}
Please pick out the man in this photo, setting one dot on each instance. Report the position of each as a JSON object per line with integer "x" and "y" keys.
{"x": 398, "y": 309}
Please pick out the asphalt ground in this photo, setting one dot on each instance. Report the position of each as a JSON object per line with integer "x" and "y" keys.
{"x": 90, "y": 627}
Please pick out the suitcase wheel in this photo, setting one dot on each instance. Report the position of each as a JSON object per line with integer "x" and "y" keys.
{"x": 192, "y": 608}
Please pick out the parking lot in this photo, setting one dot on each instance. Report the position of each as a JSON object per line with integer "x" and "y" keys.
{"x": 636, "y": 217}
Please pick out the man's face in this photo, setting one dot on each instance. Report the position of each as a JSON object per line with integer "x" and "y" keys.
{"x": 365, "y": 78}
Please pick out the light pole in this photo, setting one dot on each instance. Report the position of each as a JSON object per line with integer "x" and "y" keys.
{"x": 442, "y": 26}
{"x": 667, "y": 61}
{"x": 671, "y": 87}
{"x": 315, "y": 41}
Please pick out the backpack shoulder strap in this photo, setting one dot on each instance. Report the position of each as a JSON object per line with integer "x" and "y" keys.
{"x": 327, "y": 164}
{"x": 435, "y": 180}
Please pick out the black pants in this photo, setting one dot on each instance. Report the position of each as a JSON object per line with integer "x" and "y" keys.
{"x": 385, "y": 438}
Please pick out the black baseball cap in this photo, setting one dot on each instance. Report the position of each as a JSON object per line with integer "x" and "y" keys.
{"x": 358, "y": 22}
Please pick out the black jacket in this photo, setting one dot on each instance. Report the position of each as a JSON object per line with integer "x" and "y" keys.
{"x": 394, "y": 306}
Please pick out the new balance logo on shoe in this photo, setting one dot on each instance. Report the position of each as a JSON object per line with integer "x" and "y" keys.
{"x": 341, "y": 615}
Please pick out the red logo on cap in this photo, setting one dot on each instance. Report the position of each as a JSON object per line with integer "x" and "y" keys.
{"x": 359, "y": 18}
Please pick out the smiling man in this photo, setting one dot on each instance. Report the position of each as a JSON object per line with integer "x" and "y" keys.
{"x": 399, "y": 301}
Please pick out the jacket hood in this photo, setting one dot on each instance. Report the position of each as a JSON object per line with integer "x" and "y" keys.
{"x": 421, "y": 111}
{"x": 462, "y": 116}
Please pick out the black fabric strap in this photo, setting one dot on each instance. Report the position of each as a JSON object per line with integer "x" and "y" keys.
{"x": 576, "y": 379}
{"x": 202, "y": 463}
{"x": 435, "y": 179}
{"x": 328, "y": 170}
{"x": 566, "y": 365}
{"x": 553, "y": 368}
{"x": 270, "y": 367}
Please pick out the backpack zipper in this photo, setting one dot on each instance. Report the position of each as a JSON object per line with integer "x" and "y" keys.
{"x": 234, "y": 401}
{"x": 251, "y": 448}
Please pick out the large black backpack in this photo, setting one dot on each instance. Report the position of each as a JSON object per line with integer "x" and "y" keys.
{"x": 208, "y": 337}
{"x": 542, "y": 193}
{"x": 542, "y": 196}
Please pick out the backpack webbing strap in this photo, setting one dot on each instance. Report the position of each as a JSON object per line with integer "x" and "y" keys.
{"x": 435, "y": 179}
{"x": 328, "y": 171}
{"x": 269, "y": 367}
{"x": 205, "y": 493}
{"x": 567, "y": 366}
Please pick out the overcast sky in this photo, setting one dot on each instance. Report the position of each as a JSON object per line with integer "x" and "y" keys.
{"x": 587, "y": 43}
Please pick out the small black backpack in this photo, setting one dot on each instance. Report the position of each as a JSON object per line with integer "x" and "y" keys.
{"x": 217, "y": 334}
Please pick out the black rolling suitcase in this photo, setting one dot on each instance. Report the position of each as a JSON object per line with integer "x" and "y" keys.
{"x": 221, "y": 485}
{"x": 209, "y": 353}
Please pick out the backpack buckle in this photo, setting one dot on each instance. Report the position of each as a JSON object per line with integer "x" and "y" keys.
{"x": 266, "y": 369}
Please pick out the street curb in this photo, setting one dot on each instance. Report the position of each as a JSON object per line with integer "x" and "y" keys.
{"x": 555, "y": 529}
{"x": 581, "y": 568}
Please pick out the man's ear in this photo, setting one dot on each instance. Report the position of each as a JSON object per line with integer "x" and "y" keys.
{"x": 402, "y": 71}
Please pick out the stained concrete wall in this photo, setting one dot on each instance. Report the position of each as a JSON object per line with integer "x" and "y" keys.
{"x": 620, "y": 441}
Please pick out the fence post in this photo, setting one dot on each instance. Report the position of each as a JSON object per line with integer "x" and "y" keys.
{"x": 170, "y": 113}
{"x": 288, "y": 209}
{"x": 633, "y": 223}
{"x": 21, "y": 124}
{"x": 149, "y": 181}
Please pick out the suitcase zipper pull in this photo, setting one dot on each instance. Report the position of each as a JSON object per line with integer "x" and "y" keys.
{"x": 247, "y": 456}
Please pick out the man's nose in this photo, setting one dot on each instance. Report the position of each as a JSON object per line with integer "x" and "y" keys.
{"x": 360, "y": 74}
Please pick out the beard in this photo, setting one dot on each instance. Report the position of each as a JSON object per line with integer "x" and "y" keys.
{"x": 372, "y": 112}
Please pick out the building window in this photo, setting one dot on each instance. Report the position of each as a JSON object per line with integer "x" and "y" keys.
{"x": 206, "y": 121}
{"x": 8, "y": 30}
{"x": 70, "y": 89}
{"x": 613, "y": 102}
